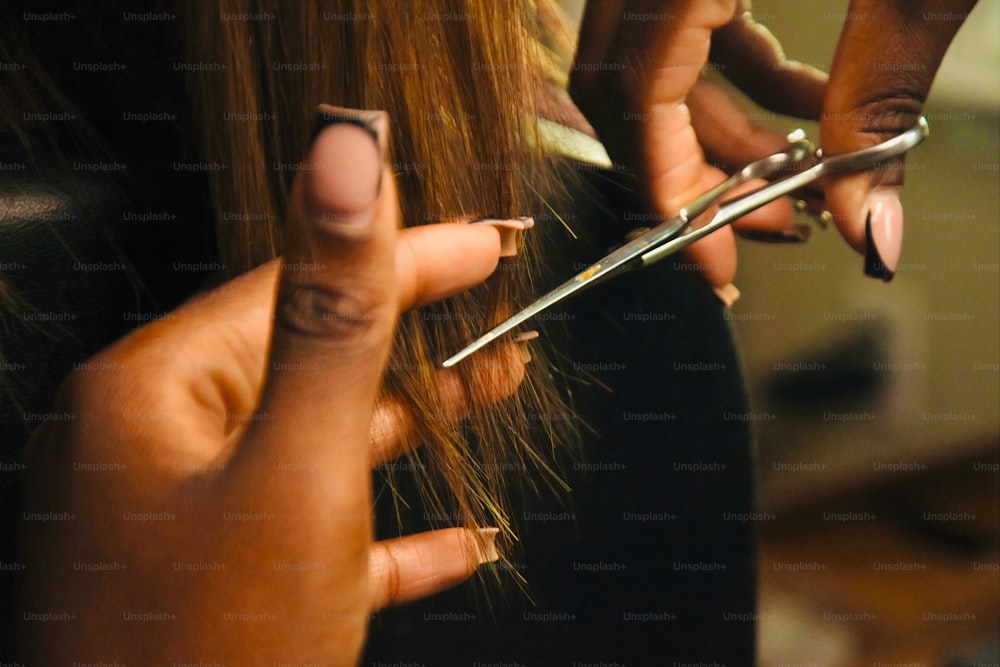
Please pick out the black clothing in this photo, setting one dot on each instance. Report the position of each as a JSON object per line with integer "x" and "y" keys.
{"x": 650, "y": 559}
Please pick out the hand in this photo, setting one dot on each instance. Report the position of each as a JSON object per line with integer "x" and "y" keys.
{"x": 637, "y": 79}
{"x": 207, "y": 497}
{"x": 885, "y": 63}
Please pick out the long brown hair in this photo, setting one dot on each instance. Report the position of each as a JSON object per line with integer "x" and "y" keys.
{"x": 460, "y": 80}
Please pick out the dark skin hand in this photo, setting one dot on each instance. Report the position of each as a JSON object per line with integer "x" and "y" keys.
{"x": 885, "y": 64}
{"x": 638, "y": 80}
{"x": 218, "y": 460}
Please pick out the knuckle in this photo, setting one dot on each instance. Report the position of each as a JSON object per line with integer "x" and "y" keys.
{"x": 884, "y": 116}
{"x": 390, "y": 576}
{"x": 326, "y": 312}
{"x": 874, "y": 120}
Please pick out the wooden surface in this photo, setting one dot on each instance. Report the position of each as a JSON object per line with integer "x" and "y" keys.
{"x": 901, "y": 573}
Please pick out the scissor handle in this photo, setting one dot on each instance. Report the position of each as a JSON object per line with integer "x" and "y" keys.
{"x": 866, "y": 158}
{"x": 847, "y": 163}
{"x": 798, "y": 149}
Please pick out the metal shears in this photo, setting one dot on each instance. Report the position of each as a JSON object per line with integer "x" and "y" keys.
{"x": 800, "y": 160}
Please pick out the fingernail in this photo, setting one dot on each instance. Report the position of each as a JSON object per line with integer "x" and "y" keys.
{"x": 487, "y": 545}
{"x": 797, "y": 233}
{"x": 509, "y": 230}
{"x": 883, "y": 234}
{"x": 525, "y": 353}
{"x": 728, "y": 294}
{"x": 522, "y": 339}
{"x": 376, "y": 123}
{"x": 348, "y": 178}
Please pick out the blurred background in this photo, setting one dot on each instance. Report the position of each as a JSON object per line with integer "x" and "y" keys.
{"x": 877, "y": 405}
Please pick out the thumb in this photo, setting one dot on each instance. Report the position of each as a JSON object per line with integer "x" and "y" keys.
{"x": 336, "y": 306}
{"x": 885, "y": 63}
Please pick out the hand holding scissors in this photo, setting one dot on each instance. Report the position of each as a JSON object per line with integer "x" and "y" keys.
{"x": 639, "y": 77}
{"x": 800, "y": 163}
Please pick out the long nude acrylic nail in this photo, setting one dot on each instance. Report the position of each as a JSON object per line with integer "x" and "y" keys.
{"x": 883, "y": 233}
{"x": 487, "y": 546}
{"x": 348, "y": 178}
{"x": 727, "y": 294}
{"x": 509, "y": 230}
{"x": 522, "y": 339}
{"x": 375, "y": 122}
{"x": 525, "y": 336}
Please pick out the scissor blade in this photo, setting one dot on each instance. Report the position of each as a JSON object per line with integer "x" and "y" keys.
{"x": 593, "y": 274}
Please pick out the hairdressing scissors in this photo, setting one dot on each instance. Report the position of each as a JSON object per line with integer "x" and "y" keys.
{"x": 800, "y": 160}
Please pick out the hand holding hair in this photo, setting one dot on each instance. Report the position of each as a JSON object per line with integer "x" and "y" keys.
{"x": 215, "y": 475}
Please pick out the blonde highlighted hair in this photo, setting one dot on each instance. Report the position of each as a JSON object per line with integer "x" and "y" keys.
{"x": 462, "y": 81}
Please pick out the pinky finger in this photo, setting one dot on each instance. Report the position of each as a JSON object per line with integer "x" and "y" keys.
{"x": 416, "y": 566}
